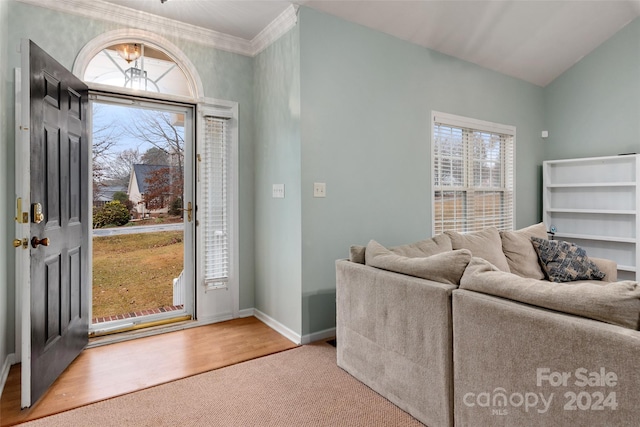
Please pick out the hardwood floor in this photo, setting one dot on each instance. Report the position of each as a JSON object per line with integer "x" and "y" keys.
{"x": 103, "y": 372}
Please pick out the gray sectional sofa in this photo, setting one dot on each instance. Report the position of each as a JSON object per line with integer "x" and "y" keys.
{"x": 466, "y": 330}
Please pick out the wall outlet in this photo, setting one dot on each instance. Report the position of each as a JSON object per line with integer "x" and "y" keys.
{"x": 278, "y": 191}
{"x": 319, "y": 189}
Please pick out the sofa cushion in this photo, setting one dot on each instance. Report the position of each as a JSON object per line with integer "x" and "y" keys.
{"x": 445, "y": 267}
{"x": 520, "y": 253}
{"x": 485, "y": 244}
{"x": 356, "y": 253}
{"x": 423, "y": 248}
{"x": 565, "y": 261}
{"x": 617, "y": 303}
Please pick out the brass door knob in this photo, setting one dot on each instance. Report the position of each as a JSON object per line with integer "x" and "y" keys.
{"x": 35, "y": 242}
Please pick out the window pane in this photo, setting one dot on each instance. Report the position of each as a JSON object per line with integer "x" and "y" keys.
{"x": 450, "y": 207}
{"x": 473, "y": 178}
{"x": 139, "y": 67}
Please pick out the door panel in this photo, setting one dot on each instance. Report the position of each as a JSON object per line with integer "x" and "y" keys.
{"x": 59, "y": 180}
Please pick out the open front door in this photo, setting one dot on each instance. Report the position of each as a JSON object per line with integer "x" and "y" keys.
{"x": 55, "y": 221}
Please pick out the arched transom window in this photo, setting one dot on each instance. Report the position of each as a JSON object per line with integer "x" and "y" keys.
{"x": 137, "y": 66}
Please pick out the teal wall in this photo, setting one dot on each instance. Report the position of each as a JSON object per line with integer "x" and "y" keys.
{"x": 224, "y": 75}
{"x": 277, "y": 161}
{"x": 593, "y": 109}
{"x": 335, "y": 102}
{"x": 366, "y": 104}
{"x": 6, "y": 328}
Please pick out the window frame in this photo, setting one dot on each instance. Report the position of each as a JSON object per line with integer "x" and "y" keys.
{"x": 508, "y": 185}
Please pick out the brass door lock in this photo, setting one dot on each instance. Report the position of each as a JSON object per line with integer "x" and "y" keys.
{"x": 36, "y": 213}
{"x": 189, "y": 211}
{"x": 24, "y": 243}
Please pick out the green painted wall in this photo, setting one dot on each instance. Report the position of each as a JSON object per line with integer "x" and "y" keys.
{"x": 335, "y": 102}
{"x": 366, "y": 104}
{"x": 224, "y": 75}
{"x": 593, "y": 109}
{"x": 277, "y": 161}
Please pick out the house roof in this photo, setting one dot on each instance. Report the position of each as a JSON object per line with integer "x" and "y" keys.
{"x": 105, "y": 193}
{"x": 142, "y": 172}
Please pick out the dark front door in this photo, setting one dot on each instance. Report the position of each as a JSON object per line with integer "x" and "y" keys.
{"x": 59, "y": 222}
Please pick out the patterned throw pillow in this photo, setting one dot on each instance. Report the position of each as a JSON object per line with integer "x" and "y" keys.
{"x": 565, "y": 261}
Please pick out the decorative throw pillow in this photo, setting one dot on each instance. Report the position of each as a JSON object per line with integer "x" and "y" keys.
{"x": 565, "y": 261}
{"x": 445, "y": 267}
{"x": 521, "y": 256}
{"x": 485, "y": 244}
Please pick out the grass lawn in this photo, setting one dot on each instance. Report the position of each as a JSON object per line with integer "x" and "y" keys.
{"x": 134, "y": 272}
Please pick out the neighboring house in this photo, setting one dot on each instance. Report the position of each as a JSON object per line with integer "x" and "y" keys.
{"x": 105, "y": 194}
{"x": 139, "y": 186}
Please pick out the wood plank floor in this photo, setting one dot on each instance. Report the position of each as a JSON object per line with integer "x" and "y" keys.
{"x": 103, "y": 372}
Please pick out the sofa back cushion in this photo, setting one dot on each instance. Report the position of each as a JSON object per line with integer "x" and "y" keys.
{"x": 485, "y": 244}
{"x": 617, "y": 303}
{"x": 445, "y": 267}
{"x": 520, "y": 253}
{"x": 423, "y": 248}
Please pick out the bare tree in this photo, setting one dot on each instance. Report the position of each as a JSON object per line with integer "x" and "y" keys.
{"x": 161, "y": 130}
{"x": 165, "y": 133}
{"x": 119, "y": 169}
{"x": 106, "y": 133}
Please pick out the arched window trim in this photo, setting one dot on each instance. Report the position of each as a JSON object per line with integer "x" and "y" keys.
{"x": 95, "y": 46}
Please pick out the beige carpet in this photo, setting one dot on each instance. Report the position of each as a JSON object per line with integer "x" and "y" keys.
{"x": 298, "y": 387}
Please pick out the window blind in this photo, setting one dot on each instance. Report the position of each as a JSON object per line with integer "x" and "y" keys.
{"x": 215, "y": 188}
{"x": 473, "y": 181}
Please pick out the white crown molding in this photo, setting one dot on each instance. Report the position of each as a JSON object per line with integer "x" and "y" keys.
{"x": 100, "y": 10}
{"x": 279, "y": 26}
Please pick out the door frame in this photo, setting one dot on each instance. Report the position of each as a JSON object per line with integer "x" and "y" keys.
{"x": 189, "y": 259}
{"x": 22, "y": 230}
{"x": 208, "y": 307}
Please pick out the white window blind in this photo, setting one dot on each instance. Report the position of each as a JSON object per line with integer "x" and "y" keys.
{"x": 473, "y": 174}
{"x": 214, "y": 172}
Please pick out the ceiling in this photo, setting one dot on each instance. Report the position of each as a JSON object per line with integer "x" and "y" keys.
{"x": 534, "y": 40}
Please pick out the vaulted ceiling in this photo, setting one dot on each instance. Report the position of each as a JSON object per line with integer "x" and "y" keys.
{"x": 534, "y": 40}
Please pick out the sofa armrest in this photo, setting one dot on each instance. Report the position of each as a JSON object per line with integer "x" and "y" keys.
{"x": 509, "y": 349}
{"x": 608, "y": 267}
{"x": 394, "y": 334}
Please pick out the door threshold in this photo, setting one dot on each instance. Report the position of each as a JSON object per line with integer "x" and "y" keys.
{"x": 130, "y": 331}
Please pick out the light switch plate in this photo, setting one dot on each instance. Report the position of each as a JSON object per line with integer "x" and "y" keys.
{"x": 278, "y": 191}
{"x": 319, "y": 189}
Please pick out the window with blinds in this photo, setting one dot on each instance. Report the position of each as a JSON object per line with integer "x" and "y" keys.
{"x": 473, "y": 174}
{"x": 214, "y": 173}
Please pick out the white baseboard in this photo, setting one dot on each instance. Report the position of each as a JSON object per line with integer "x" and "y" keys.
{"x": 278, "y": 327}
{"x": 319, "y": 336}
{"x": 8, "y": 361}
{"x": 247, "y": 312}
{"x": 213, "y": 319}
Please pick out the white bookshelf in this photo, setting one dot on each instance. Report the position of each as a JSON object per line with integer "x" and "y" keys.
{"x": 594, "y": 203}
